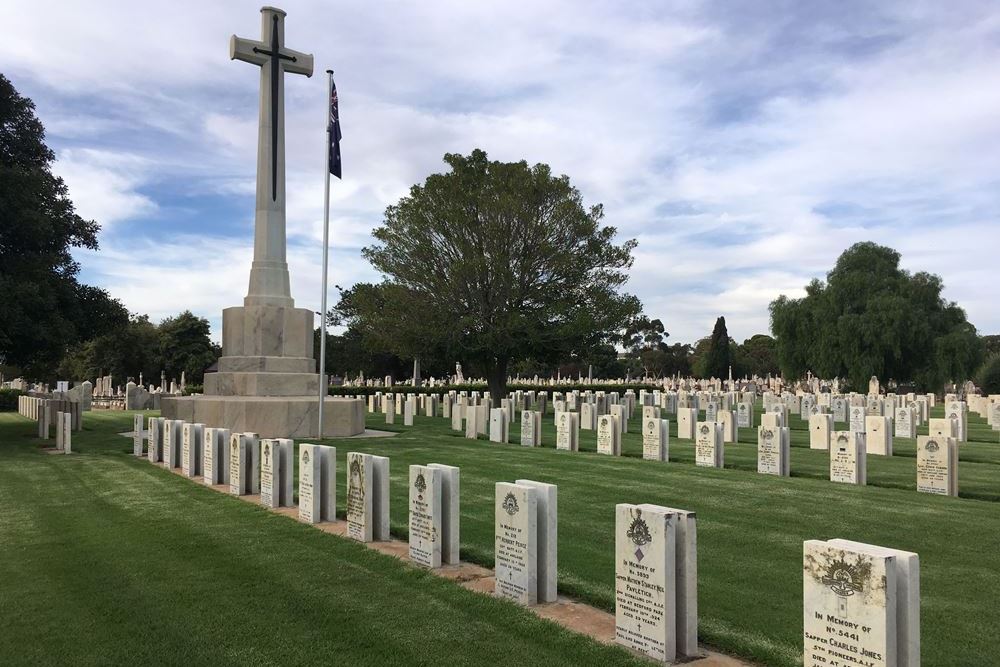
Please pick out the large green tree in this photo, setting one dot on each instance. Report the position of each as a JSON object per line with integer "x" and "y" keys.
{"x": 871, "y": 317}
{"x": 496, "y": 262}
{"x": 43, "y": 307}
{"x": 185, "y": 347}
{"x": 123, "y": 353}
{"x": 717, "y": 357}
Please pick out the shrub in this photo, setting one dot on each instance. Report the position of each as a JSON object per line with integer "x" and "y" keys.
{"x": 988, "y": 375}
{"x": 8, "y": 399}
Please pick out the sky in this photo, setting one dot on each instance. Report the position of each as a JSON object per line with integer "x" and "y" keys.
{"x": 745, "y": 145}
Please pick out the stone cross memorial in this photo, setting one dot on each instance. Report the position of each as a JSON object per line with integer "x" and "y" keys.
{"x": 317, "y": 483}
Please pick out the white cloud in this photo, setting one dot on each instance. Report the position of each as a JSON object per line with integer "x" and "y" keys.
{"x": 777, "y": 140}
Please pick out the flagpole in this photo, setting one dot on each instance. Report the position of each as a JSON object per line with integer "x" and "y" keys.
{"x": 323, "y": 387}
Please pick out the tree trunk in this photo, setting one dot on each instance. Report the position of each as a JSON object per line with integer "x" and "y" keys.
{"x": 496, "y": 378}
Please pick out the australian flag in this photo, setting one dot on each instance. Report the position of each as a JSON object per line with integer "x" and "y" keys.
{"x": 334, "y": 128}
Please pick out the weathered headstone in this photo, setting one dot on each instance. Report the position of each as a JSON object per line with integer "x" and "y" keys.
{"x": 65, "y": 426}
{"x": 425, "y": 516}
{"x": 773, "y": 451}
{"x": 861, "y": 605}
{"x": 367, "y": 497}
{"x": 609, "y": 436}
{"x": 656, "y": 610}
{"x": 588, "y": 417}
{"x": 857, "y": 419}
{"x": 192, "y": 441}
{"x": 848, "y": 463}
{"x": 655, "y": 439}
{"x": 905, "y": 423}
{"x": 317, "y": 483}
{"x": 744, "y": 415}
{"x": 137, "y": 433}
{"x": 155, "y": 436}
{"x": 708, "y": 447}
{"x": 499, "y": 426}
{"x": 820, "y": 428}
{"x": 450, "y": 512}
{"x": 937, "y": 465}
{"x": 686, "y": 420}
{"x": 244, "y": 464}
{"x": 215, "y": 456}
{"x": 172, "y": 443}
{"x": 567, "y": 431}
{"x": 276, "y": 465}
{"x": 531, "y": 428}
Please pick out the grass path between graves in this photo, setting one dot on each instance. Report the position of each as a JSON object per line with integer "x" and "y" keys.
{"x": 750, "y": 533}
{"x": 106, "y": 559}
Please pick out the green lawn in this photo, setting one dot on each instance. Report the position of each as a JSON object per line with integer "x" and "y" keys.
{"x": 105, "y": 559}
{"x": 122, "y": 540}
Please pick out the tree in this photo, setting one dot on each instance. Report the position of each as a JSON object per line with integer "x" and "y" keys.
{"x": 717, "y": 357}
{"x": 43, "y": 309}
{"x": 496, "y": 262}
{"x": 127, "y": 351}
{"x": 873, "y": 318}
{"x": 185, "y": 347}
{"x": 758, "y": 355}
{"x": 988, "y": 375}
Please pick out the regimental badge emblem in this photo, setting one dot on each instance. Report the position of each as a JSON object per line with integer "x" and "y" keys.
{"x": 842, "y": 440}
{"x": 267, "y": 450}
{"x": 704, "y": 429}
{"x": 638, "y": 532}
{"x": 768, "y": 435}
{"x": 845, "y": 579}
{"x": 932, "y": 446}
{"x": 305, "y": 457}
{"x": 420, "y": 484}
{"x": 509, "y": 504}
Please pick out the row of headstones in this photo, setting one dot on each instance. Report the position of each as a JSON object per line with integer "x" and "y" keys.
{"x": 858, "y": 599}
{"x": 65, "y": 416}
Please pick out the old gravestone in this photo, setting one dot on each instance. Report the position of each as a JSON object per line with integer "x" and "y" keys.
{"x": 567, "y": 431}
{"x": 137, "y": 432}
{"x": 172, "y": 443}
{"x": 276, "y": 461}
{"x": 905, "y": 423}
{"x": 450, "y": 512}
{"x": 215, "y": 456}
{"x": 656, "y": 598}
{"x": 744, "y": 415}
{"x": 531, "y": 428}
{"x": 525, "y": 541}
{"x": 317, "y": 483}
{"x": 861, "y": 605}
{"x": 857, "y": 419}
{"x": 609, "y": 436}
{"x": 367, "y": 497}
{"x": 848, "y": 463}
{"x": 655, "y": 439}
{"x": 192, "y": 436}
{"x": 878, "y": 435}
{"x": 588, "y": 417}
{"x": 937, "y": 465}
{"x": 686, "y": 420}
{"x": 499, "y": 426}
{"x": 425, "y": 523}
{"x": 471, "y": 422}
{"x": 155, "y": 436}
{"x": 708, "y": 447}
{"x": 65, "y": 426}
{"x": 773, "y": 448}
{"x": 244, "y": 464}
{"x": 820, "y": 428}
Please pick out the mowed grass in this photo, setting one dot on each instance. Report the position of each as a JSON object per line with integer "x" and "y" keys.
{"x": 750, "y": 526}
{"x": 106, "y": 559}
{"x": 750, "y": 529}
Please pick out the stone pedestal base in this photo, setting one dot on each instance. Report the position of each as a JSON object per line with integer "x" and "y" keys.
{"x": 270, "y": 416}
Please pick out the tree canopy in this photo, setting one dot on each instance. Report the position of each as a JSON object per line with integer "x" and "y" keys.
{"x": 43, "y": 307}
{"x": 717, "y": 360}
{"x": 871, "y": 317}
{"x": 492, "y": 263}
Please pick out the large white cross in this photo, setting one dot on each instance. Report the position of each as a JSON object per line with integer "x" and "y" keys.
{"x": 269, "y": 271}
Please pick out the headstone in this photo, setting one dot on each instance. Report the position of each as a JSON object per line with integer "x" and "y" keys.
{"x": 773, "y": 451}
{"x": 276, "y": 466}
{"x": 137, "y": 433}
{"x": 457, "y": 415}
{"x": 215, "y": 456}
{"x": 547, "y": 525}
{"x": 820, "y": 428}
{"x": 568, "y": 431}
{"x": 172, "y": 443}
{"x": 650, "y": 412}
{"x": 861, "y": 605}
{"x": 191, "y": 453}
{"x": 390, "y": 408}
{"x": 425, "y": 516}
{"x": 708, "y": 447}
{"x": 937, "y": 465}
{"x": 367, "y": 497}
{"x": 857, "y": 419}
{"x": 609, "y": 436}
{"x": 840, "y": 410}
{"x": 499, "y": 431}
{"x": 943, "y": 428}
{"x": 531, "y": 428}
{"x": 728, "y": 422}
{"x": 588, "y": 417}
{"x": 317, "y": 483}
{"x": 744, "y": 415}
{"x": 450, "y": 513}
{"x": 409, "y": 410}
{"x": 516, "y": 542}
{"x": 878, "y": 435}
{"x": 655, "y": 439}
{"x": 656, "y": 603}
{"x": 66, "y": 427}
{"x": 686, "y": 420}
{"x": 848, "y": 463}
{"x": 155, "y": 436}
{"x": 471, "y": 427}
{"x": 244, "y": 464}
{"x": 621, "y": 412}
{"x": 905, "y": 423}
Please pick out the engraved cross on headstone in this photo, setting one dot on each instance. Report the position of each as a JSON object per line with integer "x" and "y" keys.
{"x": 269, "y": 272}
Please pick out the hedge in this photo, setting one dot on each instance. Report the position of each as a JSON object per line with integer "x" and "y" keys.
{"x": 8, "y": 399}
{"x": 405, "y": 389}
